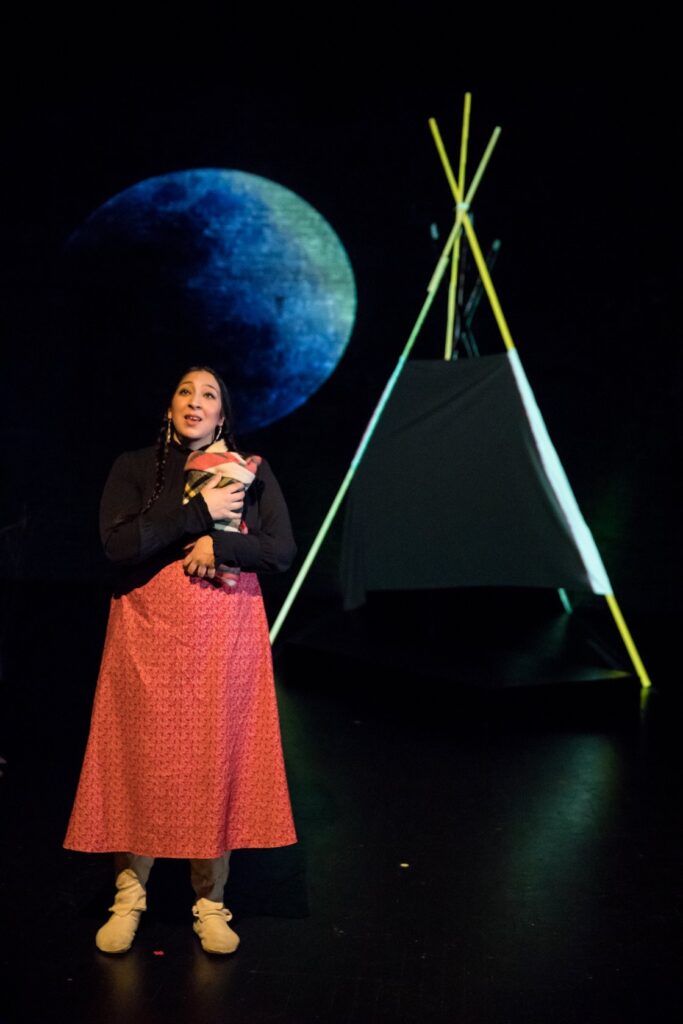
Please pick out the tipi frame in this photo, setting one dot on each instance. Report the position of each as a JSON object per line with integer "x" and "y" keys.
{"x": 451, "y": 253}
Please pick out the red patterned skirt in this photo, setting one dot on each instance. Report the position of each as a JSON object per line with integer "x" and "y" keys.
{"x": 184, "y": 756}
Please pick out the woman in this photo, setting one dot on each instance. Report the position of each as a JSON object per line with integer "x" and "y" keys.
{"x": 184, "y": 756}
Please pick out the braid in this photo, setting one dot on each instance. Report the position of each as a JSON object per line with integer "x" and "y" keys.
{"x": 227, "y": 435}
{"x": 163, "y": 444}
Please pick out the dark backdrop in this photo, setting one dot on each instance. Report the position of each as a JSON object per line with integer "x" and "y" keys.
{"x": 582, "y": 192}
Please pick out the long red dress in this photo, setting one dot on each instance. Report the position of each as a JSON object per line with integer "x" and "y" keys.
{"x": 184, "y": 756}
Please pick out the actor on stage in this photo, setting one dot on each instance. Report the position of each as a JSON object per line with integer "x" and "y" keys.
{"x": 184, "y": 757}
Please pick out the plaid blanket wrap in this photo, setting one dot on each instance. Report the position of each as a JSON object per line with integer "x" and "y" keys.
{"x": 200, "y": 467}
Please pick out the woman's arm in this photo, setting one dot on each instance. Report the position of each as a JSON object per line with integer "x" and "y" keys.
{"x": 269, "y": 546}
{"x": 130, "y": 536}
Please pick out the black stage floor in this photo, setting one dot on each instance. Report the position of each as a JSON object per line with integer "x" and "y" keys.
{"x": 489, "y": 824}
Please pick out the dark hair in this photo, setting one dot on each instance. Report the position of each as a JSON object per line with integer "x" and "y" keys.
{"x": 164, "y": 437}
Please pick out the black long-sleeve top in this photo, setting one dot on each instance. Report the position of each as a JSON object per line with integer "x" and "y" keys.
{"x": 140, "y": 544}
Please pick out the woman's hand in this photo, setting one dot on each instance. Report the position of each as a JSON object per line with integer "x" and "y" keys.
{"x": 223, "y": 502}
{"x": 200, "y": 559}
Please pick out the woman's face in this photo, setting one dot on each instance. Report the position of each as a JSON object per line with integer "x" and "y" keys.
{"x": 196, "y": 409}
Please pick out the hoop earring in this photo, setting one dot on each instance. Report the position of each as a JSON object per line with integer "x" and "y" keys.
{"x": 168, "y": 432}
{"x": 218, "y": 432}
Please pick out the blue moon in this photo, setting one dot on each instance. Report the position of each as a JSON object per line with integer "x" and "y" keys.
{"x": 230, "y": 268}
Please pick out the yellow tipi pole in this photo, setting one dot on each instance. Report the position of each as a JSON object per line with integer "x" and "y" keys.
{"x": 472, "y": 238}
{"x": 509, "y": 344}
{"x": 628, "y": 641}
{"x": 432, "y": 287}
{"x": 453, "y": 288}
